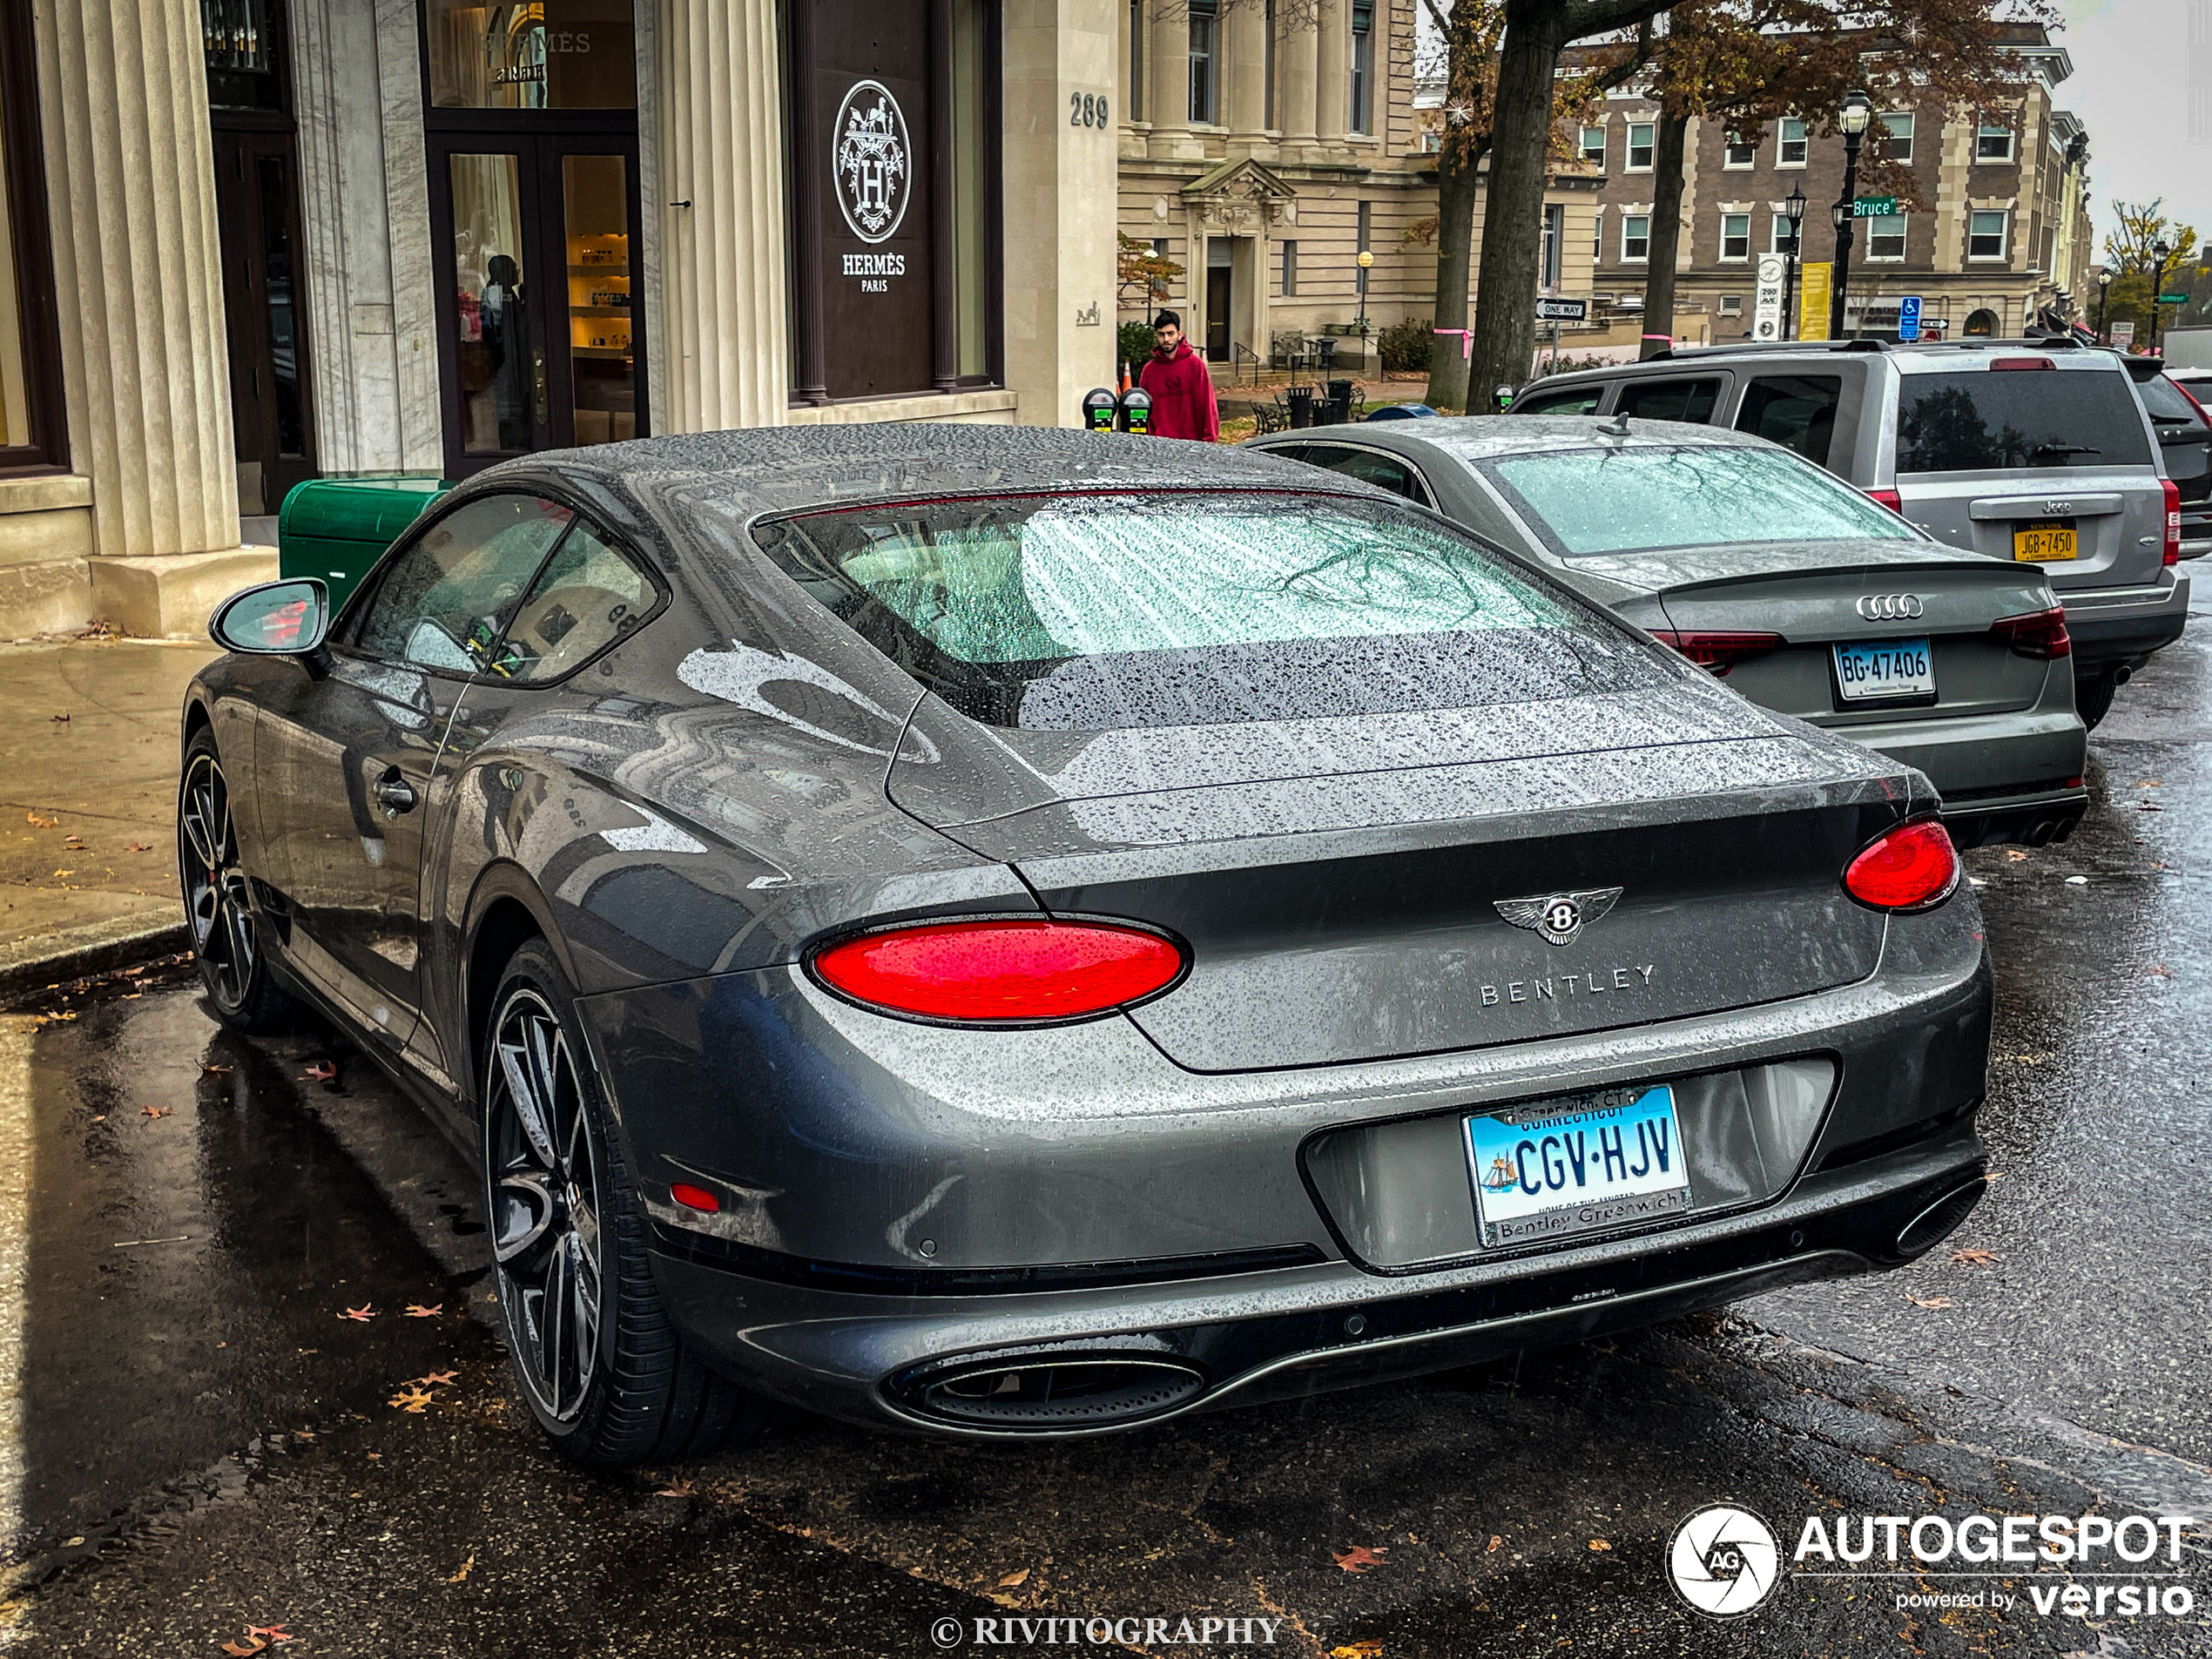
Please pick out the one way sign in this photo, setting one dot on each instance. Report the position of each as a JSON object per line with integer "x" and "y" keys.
{"x": 1562, "y": 311}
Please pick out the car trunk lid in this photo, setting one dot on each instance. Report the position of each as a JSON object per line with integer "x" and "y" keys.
{"x": 1359, "y": 888}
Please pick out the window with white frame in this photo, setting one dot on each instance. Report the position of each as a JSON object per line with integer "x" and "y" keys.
{"x": 1593, "y": 146}
{"x": 1898, "y": 126}
{"x": 1783, "y": 236}
{"x": 1735, "y": 236}
{"x": 1363, "y": 66}
{"x": 1636, "y": 237}
{"x": 1739, "y": 154}
{"x": 1986, "y": 234}
{"x": 1886, "y": 237}
{"x": 1640, "y": 146}
{"x": 1993, "y": 142}
{"x": 1554, "y": 249}
{"x": 1289, "y": 270}
{"x": 1790, "y": 143}
{"x": 1205, "y": 38}
{"x": 1731, "y": 305}
{"x": 1597, "y": 235}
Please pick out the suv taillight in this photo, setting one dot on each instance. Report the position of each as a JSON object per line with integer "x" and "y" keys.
{"x": 1888, "y": 498}
{"x": 2173, "y": 553}
{"x": 2038, "y": 633}
{"x": 1912, "y": 868}
{"x": 1001, "y": 971}
{"x": 1717, "y": 652}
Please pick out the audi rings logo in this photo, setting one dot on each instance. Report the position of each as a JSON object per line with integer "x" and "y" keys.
{"x": 1890, "y": 607}
{"x": 1724, "y": 1561}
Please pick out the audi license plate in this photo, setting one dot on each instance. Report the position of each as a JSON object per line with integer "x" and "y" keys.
{"x": 1875, "y": 670}
{"x": 1577, "y": 1165}
{"x": 2044, "y": 543}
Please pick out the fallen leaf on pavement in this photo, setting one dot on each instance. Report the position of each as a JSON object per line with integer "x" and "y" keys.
{"x": 2016, "y": 855}
{"x": 1491, "y": 1549}
{"x": 157, "y": 1111}
{"x": 1359, "y": 1558}
{"x": 1012, "y": 1579}
{"x": 36, "y": 822}
{"x": 678, "y": 1488}
{"x": 2150, "y": 783}
{"x": 1974, "y": 1257}
{"x": 360, "y": 1315}
{"x": 61, "y": 719}
{"x": 214, "y": 1071}
{"x": 1599, "y": 1543}
{"x": 273, "y": 1632}
{"x": 416, "y": 1311}
{"x": 322, "y": 1071}
{"x": 253, "y": 1644}
{"x": 411, "y": 1399}
{"x": 2159, "y": 970}
{"x": 60, "y": 875}
{"x": 467, "y": 1567}
{"x": 433, "y": 1380}
{"x": 74, "y": 843}
{"x": 140, "y": 847}
{"x": 1930, "y": 1301}
{"x": 1365, "y": 1647}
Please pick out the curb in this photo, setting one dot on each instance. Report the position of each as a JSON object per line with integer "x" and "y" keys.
{"x": 80, "y": 953}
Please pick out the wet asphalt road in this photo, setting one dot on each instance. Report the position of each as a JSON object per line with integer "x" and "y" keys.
{"x": 198, "y": 1441}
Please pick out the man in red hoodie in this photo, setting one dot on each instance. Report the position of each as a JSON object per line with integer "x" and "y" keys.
{"x": 1181, "y": 390}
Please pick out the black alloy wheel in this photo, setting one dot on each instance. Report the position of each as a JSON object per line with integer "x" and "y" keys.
{"x": 606, "y": 1374}
{"x": 226, "y": 939}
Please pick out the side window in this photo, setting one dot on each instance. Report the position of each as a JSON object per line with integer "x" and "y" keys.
{"x": 1583, "y": 400}
{"x": 1370, "y": 469}
{"x": 587, "y": 597}
{"x": 1798, "y": 411}
{"x": 442, "y": 602}
{"x": 1691, "y": 401}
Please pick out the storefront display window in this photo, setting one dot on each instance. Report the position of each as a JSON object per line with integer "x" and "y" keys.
{"x": 31, "y": 422}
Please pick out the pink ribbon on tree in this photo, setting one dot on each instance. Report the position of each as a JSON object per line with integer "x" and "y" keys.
{"x": 1467, "y": 340}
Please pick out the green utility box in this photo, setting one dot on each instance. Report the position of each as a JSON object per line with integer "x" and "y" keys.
{"x": 337, "y": 527}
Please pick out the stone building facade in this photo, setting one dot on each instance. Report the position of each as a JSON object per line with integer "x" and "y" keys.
{"x": 2003, "y": 241}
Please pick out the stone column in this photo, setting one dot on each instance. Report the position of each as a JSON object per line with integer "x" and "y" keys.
{"x": 1060, "y": 188}
{"x": 1300, "y": 112}
{"x": 1332, "y": 78}
{"x": 1247, "y": 108}
{"x": 1167, "y": 83}
{"x": 722, "y": 256}
{"x": 130, "y": 176}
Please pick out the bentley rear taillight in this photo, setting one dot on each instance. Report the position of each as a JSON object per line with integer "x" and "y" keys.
{"x": 1912, "y": 868}
{"x": 1717, "y": 652}
{"x": 1001, "y": 971}
{"x": 2038, "y": 633}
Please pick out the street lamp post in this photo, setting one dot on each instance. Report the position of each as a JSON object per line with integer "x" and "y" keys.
{"x": 2159, "y": 251}
{"x": 2104, "y": 292}
{"x": 1793, "y": 209}
{"x": 1366, "y": 259}
{"x": 1856, "y": 111}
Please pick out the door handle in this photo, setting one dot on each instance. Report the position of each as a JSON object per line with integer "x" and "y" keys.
{"x": 394, "y": 794}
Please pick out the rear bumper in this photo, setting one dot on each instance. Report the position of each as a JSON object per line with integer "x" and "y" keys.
{"x": 2121, "y": 627}
{"x": 2002, "y": 777}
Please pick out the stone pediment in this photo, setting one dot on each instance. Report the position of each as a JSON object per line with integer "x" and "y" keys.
{"x": 1241, "y": 193}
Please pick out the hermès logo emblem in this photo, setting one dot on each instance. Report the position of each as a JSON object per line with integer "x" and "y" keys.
{"x": 873, "y": 161}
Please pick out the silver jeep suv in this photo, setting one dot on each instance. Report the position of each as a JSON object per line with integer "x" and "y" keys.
{"x": 2037, "y": 451}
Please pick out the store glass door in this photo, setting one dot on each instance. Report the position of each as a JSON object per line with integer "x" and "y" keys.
{"x": 537, "y": 333}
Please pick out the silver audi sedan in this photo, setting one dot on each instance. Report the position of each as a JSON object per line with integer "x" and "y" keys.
{"x": 1799, "y": 591}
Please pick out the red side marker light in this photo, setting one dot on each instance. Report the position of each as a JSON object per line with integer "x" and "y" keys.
{"x": 1002, "y": 972}
{"x": 694, "y": 1197}
{"x": 1912, "y": 868}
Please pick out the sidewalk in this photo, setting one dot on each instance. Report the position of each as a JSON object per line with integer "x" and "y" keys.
{"x": 88, "y": 855}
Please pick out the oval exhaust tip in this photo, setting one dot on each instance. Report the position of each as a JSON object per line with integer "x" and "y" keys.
{"x": 1057, "y": 1393}
{"x": 1940, "y": 1219}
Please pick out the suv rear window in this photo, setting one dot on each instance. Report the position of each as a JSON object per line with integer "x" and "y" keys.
{"x": 2167, "y": 405}
{"x": 1691, "y": 401}
{"x": 1990, "y": 420}
{"x": 1095, "y": 612}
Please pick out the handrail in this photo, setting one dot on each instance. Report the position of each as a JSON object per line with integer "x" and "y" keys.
{"x": 1237, "y": 352}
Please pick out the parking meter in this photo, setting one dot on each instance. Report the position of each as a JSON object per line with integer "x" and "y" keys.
{"x": 1136, "y": 410}
{"x": 1502, "y": 399}
{"x": 1098, "y": 409}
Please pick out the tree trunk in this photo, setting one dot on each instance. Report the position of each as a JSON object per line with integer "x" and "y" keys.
{"x": 1505, "y": 322}
{"x": 1457, "y": 177}
{"x": 1666, "y": 232}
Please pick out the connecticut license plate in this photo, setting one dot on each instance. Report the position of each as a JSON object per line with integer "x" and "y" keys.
{"x": 1875, "y": 670}
{"x": 1577, "y": 1165}
{"x": 2044, "y": 543}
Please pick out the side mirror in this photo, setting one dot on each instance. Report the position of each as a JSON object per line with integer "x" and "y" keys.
{"x": 287, "y": 618}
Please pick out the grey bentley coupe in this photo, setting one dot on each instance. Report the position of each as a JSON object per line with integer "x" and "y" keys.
{"x": 1004, "y": 932}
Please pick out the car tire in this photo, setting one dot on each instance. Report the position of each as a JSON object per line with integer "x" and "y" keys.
{"x": 219, "y": 911}
{"x": 609, "y": 1378}
{"x": 2093, "y": 698}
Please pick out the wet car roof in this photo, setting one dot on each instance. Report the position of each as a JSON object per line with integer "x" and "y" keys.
{"x": 1481, "y": 436}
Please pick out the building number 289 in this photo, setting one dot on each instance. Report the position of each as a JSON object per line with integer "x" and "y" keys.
{"x": 1086, "y": 110}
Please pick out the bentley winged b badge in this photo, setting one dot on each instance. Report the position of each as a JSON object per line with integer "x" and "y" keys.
{"x": 1558, "y": 917}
